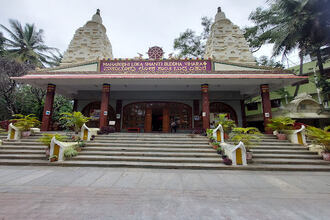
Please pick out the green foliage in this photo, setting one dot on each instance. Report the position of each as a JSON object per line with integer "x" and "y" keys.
{"x": 25, "y": 122}
{"x": 47, "y": 138}
{"x": 209, "y": 132}
{"x": 291, "y": 24}
{"x": 216, "y": 144}
{"x": 264, "y": 61}
{"x": 227, "y": 124}
{"x": 75, "y": 119}
{"x": 190, "y": 44}
{"x": 247, "y": 135}
{"x": 26, "y": 44}
{"x": 70, "y": 152}
{"x": 281, "y": 124}
{"x": 320, "y": 136}
{"x": 53, "y": 156}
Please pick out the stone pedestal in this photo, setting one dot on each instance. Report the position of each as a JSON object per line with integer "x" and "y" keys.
{"x": 205, "y": 106}
{"x": 48, "y": 108}
{"x": 266, "y": 106}
{"x": 104, "y": 105}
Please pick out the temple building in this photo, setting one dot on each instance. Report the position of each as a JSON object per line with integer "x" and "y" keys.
{"x": 146, "y": 95}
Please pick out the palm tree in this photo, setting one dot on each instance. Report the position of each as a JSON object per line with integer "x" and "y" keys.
{"x": 292, "y": 24}
{"x": 27, "y": 44}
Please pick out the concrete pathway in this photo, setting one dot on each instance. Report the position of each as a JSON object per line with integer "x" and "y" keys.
{"x": 118, "y": 193}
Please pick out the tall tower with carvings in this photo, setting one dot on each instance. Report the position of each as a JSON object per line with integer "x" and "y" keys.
{"x": 227, "y": 43}
{"x": 89, "y": 42}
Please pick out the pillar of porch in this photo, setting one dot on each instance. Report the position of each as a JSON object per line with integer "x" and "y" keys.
{"x": 166, "y": 120}
{"x": 205, "y": 106}
{"x": 104, "y": 105}
{"x": 244, "y": 122}
{"x": 48, "y": 108}
{"x": 266, "y": 106}
{"x": 119, "y": 105}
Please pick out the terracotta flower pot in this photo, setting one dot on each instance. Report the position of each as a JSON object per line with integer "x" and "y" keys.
{"x": 53, "y": 159}
{"x": 326, "y": 156}
{"x": 26, "y": 133}
{"x": 281, "y": 136}
{"x": 249, "y": 155}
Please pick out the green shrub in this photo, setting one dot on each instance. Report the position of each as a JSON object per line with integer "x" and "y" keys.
{"x": 281, "y": 124}
{"x": 247, "y": 135}
{"x": 75, "y": 120}
{"x": 319, "y": 136}
{"x": 47, "y": 138}
{"x": 25, "y": 122}
{"x": 227, "y": 124}
{"x": 70, "y": 152}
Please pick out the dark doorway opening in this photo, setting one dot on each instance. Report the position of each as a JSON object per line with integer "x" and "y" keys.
{"x": 157, "y": 119}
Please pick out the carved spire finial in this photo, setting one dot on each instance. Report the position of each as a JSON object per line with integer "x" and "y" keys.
{"x": 98, "y": 11}
{"x": 219, "y": 9}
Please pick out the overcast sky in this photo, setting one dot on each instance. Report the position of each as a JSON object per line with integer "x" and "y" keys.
{"x": 132, "y": 26}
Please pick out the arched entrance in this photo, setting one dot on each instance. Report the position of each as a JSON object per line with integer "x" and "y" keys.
{"x": 156, "y": 116}
{"x": 220, "y": 107}
{"x": 93, "y": 110}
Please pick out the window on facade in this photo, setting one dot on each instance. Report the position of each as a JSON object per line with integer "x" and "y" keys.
{"x": 275, "y": 103}
{"x": 252, "y": 106}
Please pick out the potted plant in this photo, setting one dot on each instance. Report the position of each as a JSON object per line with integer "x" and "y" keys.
{"x": 281, "y": 125}
{"x": 321, "y": 137}
{"x": 226, "y": 123}
{"x": 249, "y": 136}
{"x": 25, "y": 122}
{"x": 219, "y": 150}
{"x": 53, "y": 158}
{"x": 75, "y": 120}
{"x": 70, "y": 152}
{"x": 215, "y": 145}
{"x": 47, "y": 138}
{"x": 226, "y": 160}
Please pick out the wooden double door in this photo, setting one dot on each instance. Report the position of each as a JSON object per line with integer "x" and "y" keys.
{"x": 156, "y": 116}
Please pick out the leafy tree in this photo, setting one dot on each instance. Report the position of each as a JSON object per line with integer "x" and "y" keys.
{"x": 26, "y": 44}
{"x": 291, "y": 24}
{"x": 10, "y": 68}
{"x": 189, "y": 44}
{"x": 264, "y": 61}
{"x": 2, "y": 45}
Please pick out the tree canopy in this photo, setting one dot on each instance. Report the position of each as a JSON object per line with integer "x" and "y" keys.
{"x": 189, "y": 44}
{"x": 26, "y": 44}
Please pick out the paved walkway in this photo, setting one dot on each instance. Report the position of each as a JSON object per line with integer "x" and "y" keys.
{"x": 116, "y": 193}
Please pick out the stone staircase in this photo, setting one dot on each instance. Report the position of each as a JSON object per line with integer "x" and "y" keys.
{"x": 175, "y": 151}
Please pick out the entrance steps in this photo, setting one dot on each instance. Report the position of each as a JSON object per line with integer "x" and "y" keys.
{"x": 174, "y": 151}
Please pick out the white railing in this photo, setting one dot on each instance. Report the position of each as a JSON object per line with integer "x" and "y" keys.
{"x": 87, "y": 133}
{"x": 237, "y": 153}
{"x": 14, "y": 133}
{"x": 218, "y": 134}
{"x": 298, "y": 136}
{"x": 57, "y": 148}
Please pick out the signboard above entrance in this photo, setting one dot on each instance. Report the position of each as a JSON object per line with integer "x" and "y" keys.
{"x": 155, "y": 66}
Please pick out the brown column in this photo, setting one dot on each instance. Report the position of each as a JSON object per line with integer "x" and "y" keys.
{"x": 104, "y": 105}
{"x": 118, "y": 112}
{"x": 75, "y": 105}
{"x": 48, "y": 108}
{"x": 196, "y": 113}
{"x": 244, "y": 123}
{"x": 148, "y": 120}
{"x": 266, "y": 106}
{"x": 205, "y": 106}
{"x": 166, "y": 120}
